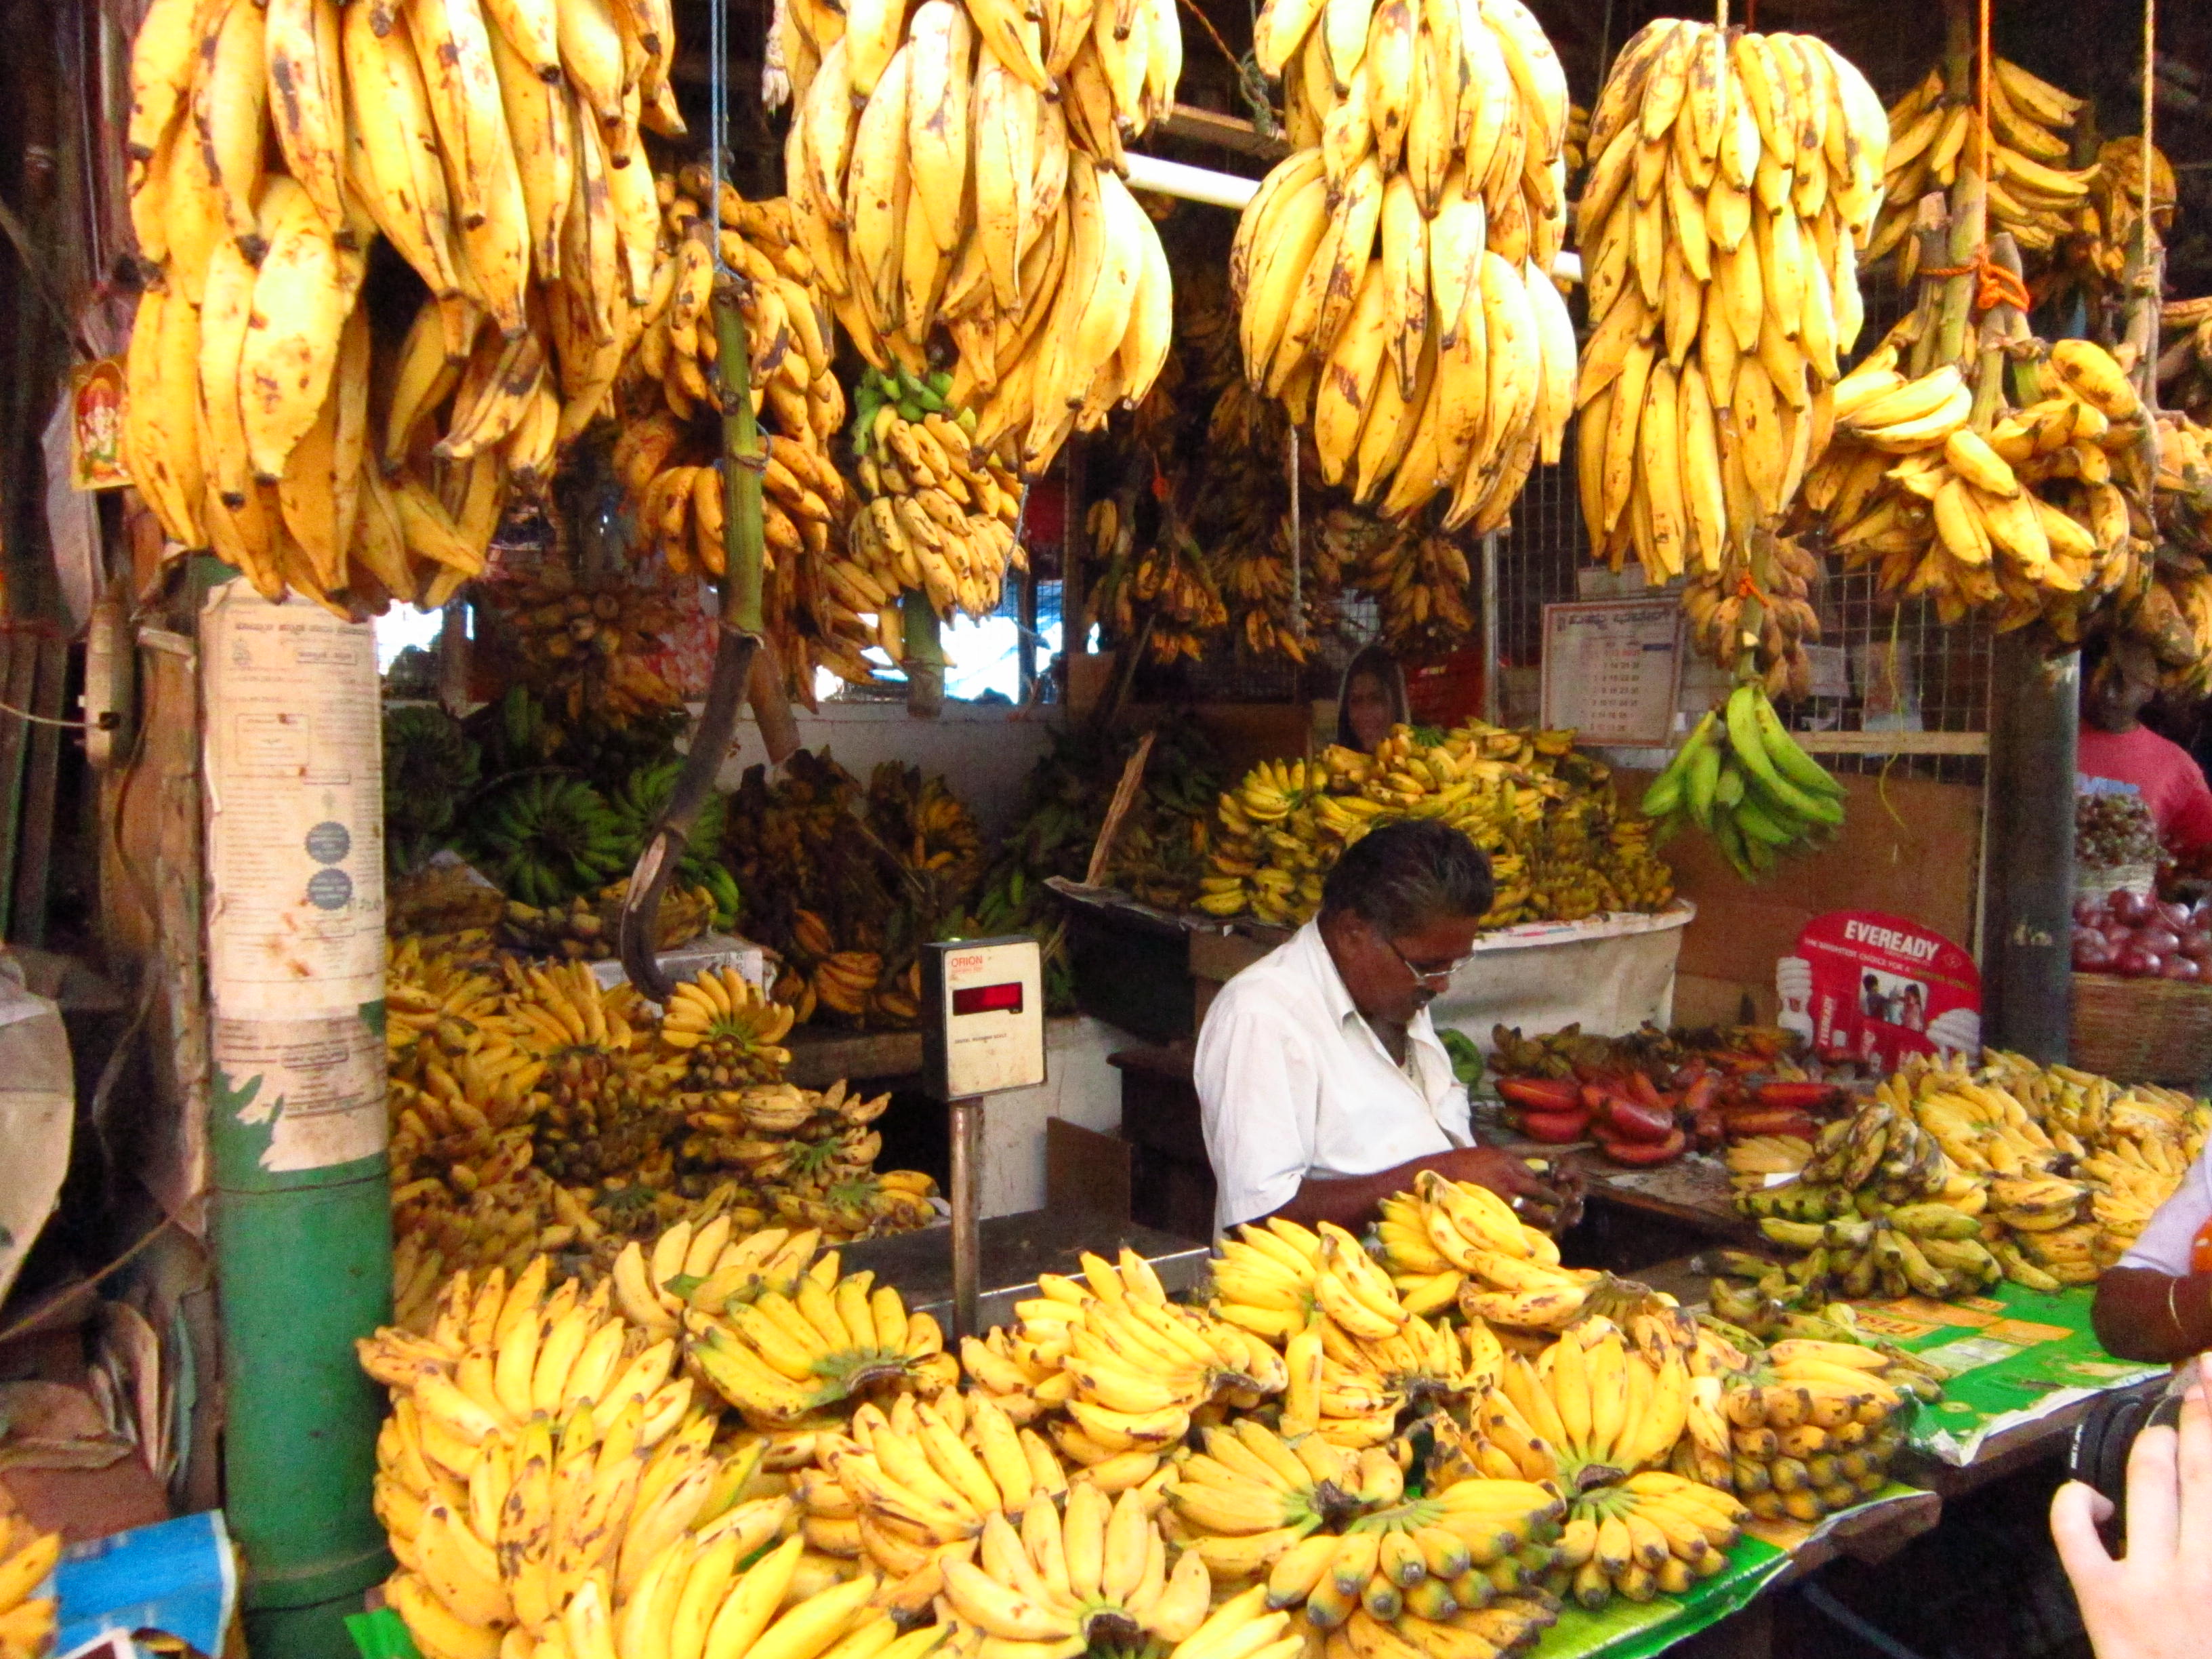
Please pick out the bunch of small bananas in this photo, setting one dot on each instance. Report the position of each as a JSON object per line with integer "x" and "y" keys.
{"x": 1558, "y": 848}
{"x": 899, "y": 1487}
{"x": 1814, "y": 1429}
{"x": 1957, "y": 497}
{"x": 498, "y": 154}
{"x": 2108, "y": 227}
{"x": 1114, "y": 1370}
{"x": 720, "y": 1020}
{"x": 27, "y": 1557}
{"x": 1331, "y": 1530}
{"x": 1451, "y": 1244}
{"x": 446, "y": 901}
{"x": 1392, "y": 274}
{"x": 583, "y": 641}
{"x": 1421, "y": 583}
{"x": 936, "y": 516}
{"x": 585, "y": 930}
{"x": 1656, "y": 1532}
{"x": 2031, "y": 194}
{"x": 2130, "y": 1142}
{"x": 1719, "y": 611}
{"x": 1165, "y": 593}
{"x": 1744, "y": 780}
{"x": 959, "y": 166}
{"x": 1098, "y": 1575}
{"x": 1736, "y": 176}
{"x": 779, "y": 1357}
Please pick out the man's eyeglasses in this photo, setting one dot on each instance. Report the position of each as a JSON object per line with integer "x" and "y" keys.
{"x": 1425, "y": 975}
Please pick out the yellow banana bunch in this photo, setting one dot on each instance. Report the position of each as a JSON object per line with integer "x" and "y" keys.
{"x": 1557, "y": 847}
{"x": 1735, "y": 177}
{"x": 1393, "y": 275}
{"x": 1113, "y": 1370}
{"x": 1098, "y": 1574}
{"x": 27, "y": 1558}
{"x": 2031, "y": 194}
{"x": 721, "y": 1019}
{"x": 1446, "y": 1237}
{"x": 719, "y": 1264}
{"x": 425, "y": 987}
{"x": 1241, "y": 1625}
{"x": 1716, "y": 608}
{"x": 937, "y": 515}
{"x": 1165, "y": 593}
{"x": 779, "y": 1356}
{"x": 1421, "y": 585}
{"x": 2035, "y": 510}
{"x": 493, "y": 149}
{"x": 2108, "y": 225}
{"x": 1595, "y": 1400}
{"x": 542, "y": 1467}
{"x": 1814, "y": 1430}
{"x": 1751, "y": 1161}
{"x": 1330, "y": 1529}
{"x": 1655, "y": 1533}
{"x": 959, "y": 166}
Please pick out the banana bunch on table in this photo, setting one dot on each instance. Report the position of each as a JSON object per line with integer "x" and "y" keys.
{"x": 2039, "y": 511}
{"x": 1393, "y": 276}
{"x": 1735, "y": 176}
{"x": 1813, "y": 1430}
{"x": 959, "y": 165}
{"x": 2033, "y": 192}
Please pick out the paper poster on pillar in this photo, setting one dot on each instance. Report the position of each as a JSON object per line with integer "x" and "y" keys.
{"x": 295, "y": 809}
{"x": 315, "y": 1085}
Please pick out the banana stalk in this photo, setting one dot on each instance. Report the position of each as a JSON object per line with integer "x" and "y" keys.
{"x": 744, "y": 458}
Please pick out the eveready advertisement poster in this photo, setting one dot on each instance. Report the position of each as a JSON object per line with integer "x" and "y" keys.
{"x": 1873, "y": 988}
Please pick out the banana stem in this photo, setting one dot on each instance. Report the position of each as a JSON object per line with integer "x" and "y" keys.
{"x": 924, "y": 658}
{"x": 1969, "y": 230}
{"x": 744, "y": 460}
{"x": 1998, "y": 326}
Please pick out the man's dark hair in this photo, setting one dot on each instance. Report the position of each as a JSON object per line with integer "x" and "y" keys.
{"x": 1407, "y": 875}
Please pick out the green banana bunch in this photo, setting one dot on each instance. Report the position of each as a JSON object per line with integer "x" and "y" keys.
{"x": 913, "y": 395}
{"x": 1746, "y": 782}
{"x": 544, "y": 839}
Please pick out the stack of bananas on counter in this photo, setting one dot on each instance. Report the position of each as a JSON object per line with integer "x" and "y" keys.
{"x": 1544, "y": 814}
{"x": 959, "y": 165}
{"x": 1116, "y": 1371}
{"x": 1334, "y": 1532}
{"x": 1356, "y": 1356}
{"x": 2031, "y": 194}
{"x": 1745, "y": 781}
{"x": 1734, "y": 176}
{"x": 532, "y": 1111}
{"x": 1814, "y": 1429}
{"x": 27, "y": 1557}
{"x": 2040, "y": 511}
{"x": 810, "y": 856}
{"x": 937, "y": 515}
{"x": 1393, "y": 275}
{"x": 498, "y": 152}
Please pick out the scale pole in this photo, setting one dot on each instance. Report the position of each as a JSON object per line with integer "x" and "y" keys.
{"x": 967, "y": 1194}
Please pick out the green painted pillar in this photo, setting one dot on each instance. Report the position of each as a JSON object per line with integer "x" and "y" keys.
{"x": 296, "y": 1132}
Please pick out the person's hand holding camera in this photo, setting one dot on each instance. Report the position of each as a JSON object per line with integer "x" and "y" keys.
{"x": 2153, "y": 1602}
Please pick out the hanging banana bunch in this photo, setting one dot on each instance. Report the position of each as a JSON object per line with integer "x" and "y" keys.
{"x": 938, "y": 515}
{"x": 1735, "y": 177}
{"x": 1718, "y": 611}
{"x": 955, "y": 167}
{"x": 497, "y": 151}
{"x": 2031, "y": 194}
{"x": 1392, "y": 275}
{"x": 667, "y": 455}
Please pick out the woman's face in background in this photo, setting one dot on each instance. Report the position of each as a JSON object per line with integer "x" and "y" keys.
{"x": 1367, "y": 707}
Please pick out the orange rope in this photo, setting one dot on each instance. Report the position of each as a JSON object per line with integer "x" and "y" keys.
{"x": 1994, "y": 286}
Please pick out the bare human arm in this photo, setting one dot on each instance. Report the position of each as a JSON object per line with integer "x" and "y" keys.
{"x": 1351, "y": 1201}
{"x": 2142, "y": 1314}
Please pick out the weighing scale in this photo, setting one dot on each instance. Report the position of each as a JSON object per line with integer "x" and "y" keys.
{"x": 982, "y": 1033}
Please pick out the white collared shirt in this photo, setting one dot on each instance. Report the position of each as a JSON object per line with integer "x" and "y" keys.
{"x": 1293, "y": 1082}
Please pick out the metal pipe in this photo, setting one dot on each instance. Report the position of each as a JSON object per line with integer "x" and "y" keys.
{"x": 2028, "y": 885}
{"x": 966, "y": 1193}
{"x": 1493, "y": 694}
{"x": 1189, "y": 184}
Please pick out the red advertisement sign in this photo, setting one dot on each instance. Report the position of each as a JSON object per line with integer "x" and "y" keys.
{"x": 1872, "y": 987}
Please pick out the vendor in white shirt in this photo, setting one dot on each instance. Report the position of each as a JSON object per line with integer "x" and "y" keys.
{"x": 1322, "y": 1084}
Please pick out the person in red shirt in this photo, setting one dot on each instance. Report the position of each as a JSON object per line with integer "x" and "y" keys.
{"x": 2117, "y": 680}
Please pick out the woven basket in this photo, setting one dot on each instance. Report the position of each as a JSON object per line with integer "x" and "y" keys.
{"x": 2142, "y": 1031}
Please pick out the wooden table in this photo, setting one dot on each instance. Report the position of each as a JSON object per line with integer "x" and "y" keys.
{"x": 820, "y": 1055}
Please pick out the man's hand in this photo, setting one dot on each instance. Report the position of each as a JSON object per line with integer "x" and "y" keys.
{"x": 2150, "y": 1603}
{"x": 1537, "y": 1203}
